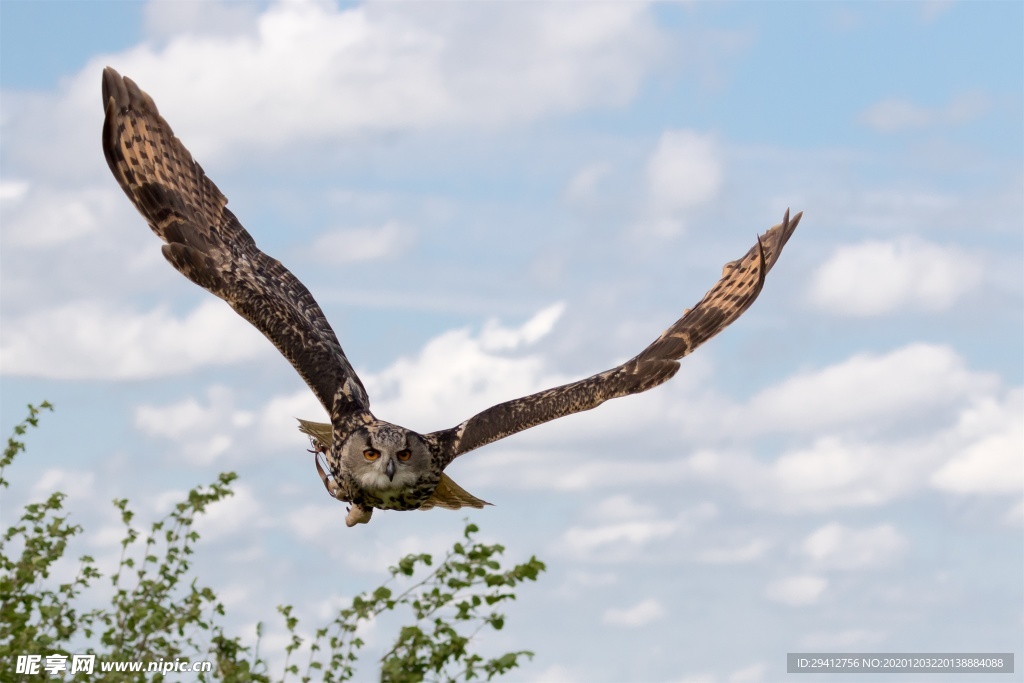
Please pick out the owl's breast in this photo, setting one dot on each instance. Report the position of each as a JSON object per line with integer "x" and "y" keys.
{"x": 409, "y": 497}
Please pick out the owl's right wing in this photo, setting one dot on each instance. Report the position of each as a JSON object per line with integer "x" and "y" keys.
{"x": 208, "y": 245}
{"x": 739, "y": 286}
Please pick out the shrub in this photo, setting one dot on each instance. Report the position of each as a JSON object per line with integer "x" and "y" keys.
{"x": 160, "y": 613}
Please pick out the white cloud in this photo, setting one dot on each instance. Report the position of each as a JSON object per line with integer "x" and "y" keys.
{"x": 13, "y": 190}
{"x": 75, "y": 483}
{"x": 169, "y": 20}
{"x": 747, "y": 552}
{"x": 45, "y": 218}
{"x": 749, "y": 674}
{"x": 216, "y": 429}
{"x": 457, "y": 374}
{"x": 65, "y": 242}
{"x": 883, "y": 277}
{"x": 990, "y": 456}
{"x": 888, "y": 210}
{"x": 894, "y": 114}
{"x": 205, "y": 432}
{"x": 640, "y": 614}
{"x": 619, "y": 507}
{"x": 556, "y": 674}
{"x": 89, "y": 340}
{"x": 833, "y": 473}
{"x": 891, "y": 115}
{"x": 796, "y": 591}
{"x": 310, "y": 70}
{"x": 861, "y": 396}
{"x": 699, "y": 677}
{"x": 886, "y": 425}
{"x": 362, "y": 244}
{"x": 841, "y": 640}
{"x": 1015, "y": 515}
{"x": 162, "y": 502}
{"x": 583, "y": 185}
{"x": 277, "y": 426}
{"x": 303, "y": 72}
{"x": 234, "y": 597}
{"x": 835, "y": 546}
{"x": 622, "y": 533}
{"x": 584, "y": 541}
{"x": 933, "y": 9}
{"x": 241, "y": 511}
{"x": 966, "y": 107}
{"x": 494, "y": 337}
{"x": 579, "y": 583}
{"x": 187, "y": 417}
{"x": 315, "y": 521}
{"x": 828, "y": 474}
{"x": 559, "y": 469}
{"x": 108, "y": 536}
{"x": 865, "y": 389}
{"x": 684, "y": 171}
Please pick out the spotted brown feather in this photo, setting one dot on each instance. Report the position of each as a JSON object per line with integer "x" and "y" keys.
{"x": 208, "y": 245}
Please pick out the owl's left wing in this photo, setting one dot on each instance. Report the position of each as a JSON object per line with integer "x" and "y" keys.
{"x": 739, "y": 286}
{"x": 207, "y": 244}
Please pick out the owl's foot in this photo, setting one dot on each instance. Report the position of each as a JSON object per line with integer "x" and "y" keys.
{"x": 330, "y": 484}
{"x": 357, "y": 514}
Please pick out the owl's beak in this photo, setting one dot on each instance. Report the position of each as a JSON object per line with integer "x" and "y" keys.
{"x": 390, "y": 469}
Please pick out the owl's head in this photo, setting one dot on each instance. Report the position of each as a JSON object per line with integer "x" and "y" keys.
{"x": 386, "y": 462}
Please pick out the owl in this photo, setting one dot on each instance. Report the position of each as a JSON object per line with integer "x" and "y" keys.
{"x": 362, "y": 460}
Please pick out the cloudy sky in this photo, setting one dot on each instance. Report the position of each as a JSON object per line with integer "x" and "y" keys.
{"x": 490, "y": 199}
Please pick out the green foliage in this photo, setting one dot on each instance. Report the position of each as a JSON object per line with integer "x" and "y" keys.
{"x": 460, "y": 592}
{"x": 32, "y": 614}
{"x": 158, "y": 611}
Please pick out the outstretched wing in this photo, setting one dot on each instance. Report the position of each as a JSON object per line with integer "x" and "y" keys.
{"x": 739, "y": 286}
{"x": 208, "y": 245}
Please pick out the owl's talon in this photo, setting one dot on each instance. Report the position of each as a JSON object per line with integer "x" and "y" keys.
{"x": 357, "y": 514}
{"x": 323, "y": 475}
{"x": 332, "y": 486}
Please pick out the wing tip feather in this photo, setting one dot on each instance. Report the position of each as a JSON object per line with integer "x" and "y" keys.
{"x": 125, "y": 93}
{"x": 114, "y": 88}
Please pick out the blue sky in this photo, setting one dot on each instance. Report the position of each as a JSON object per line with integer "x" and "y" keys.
{"x": 491, "y": 199}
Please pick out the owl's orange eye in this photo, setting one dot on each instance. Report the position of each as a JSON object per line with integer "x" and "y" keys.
{"x": 404, "y": 454}
{"x": 371, "y": 454}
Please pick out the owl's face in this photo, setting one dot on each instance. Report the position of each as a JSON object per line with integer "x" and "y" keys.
{"x": 385, "y": 460}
